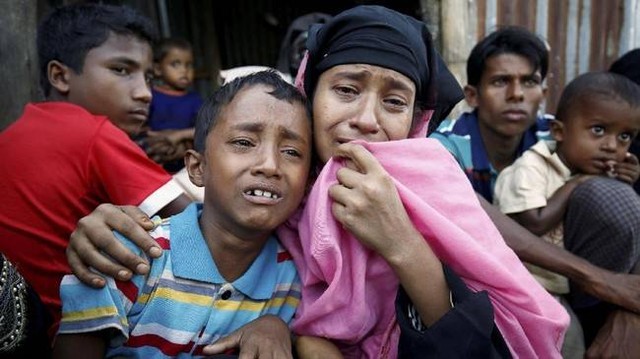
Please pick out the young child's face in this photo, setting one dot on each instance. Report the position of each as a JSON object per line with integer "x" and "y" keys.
{"x": 508, "y": 95}
{"x": 256, "y": 162}
{"x": 176, "y": 69}
{"x": 114, "y": 82}
{"x": 596, "y": 134}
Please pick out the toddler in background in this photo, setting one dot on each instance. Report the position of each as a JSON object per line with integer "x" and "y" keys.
{"x": 174, "y": 107}
{"x": 598, "y": 117}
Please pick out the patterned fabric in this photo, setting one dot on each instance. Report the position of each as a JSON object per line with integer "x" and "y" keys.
{"x": 13, "y": 307}
{"x": 526, "y": 185}
{"x": 602, "y": 225}
{"x": 184, "y": 303}
{"x": 23, "y": 318}
{"x": 462, "y": 138}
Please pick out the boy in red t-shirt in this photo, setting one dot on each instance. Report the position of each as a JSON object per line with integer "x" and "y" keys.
{"x": 65, "y": 156}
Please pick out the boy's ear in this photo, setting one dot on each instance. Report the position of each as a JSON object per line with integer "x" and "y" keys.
{"x": 557, "y": 130}
{"x": 471, "y": 95}
{"x": 194, "y": 163}
{"x": 58, "y": 75}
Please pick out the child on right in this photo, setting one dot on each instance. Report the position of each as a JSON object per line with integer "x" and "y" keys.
{"x": 174, "y": 106}
{"x": 598, "y": 116}
{"x": 222, "y": 267}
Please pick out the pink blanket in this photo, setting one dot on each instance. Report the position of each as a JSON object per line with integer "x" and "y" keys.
{"x": 349, "y": 292}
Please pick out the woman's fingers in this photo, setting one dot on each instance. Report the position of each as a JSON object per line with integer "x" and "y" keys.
{"x": 94, "y": 235}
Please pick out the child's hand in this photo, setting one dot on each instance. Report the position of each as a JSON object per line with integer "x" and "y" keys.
{"x": 316, "y": 348}
{"x": 173, "y": 137}
{"x": 267, "y": 337}
{"x": 160, "y": 151}
{"x": 628, "y": 170}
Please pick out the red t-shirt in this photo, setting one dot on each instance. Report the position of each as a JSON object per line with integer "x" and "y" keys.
{"x": 58, "y": 163}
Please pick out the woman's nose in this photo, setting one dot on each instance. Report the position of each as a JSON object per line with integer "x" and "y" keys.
{"x": 366, "y": 119}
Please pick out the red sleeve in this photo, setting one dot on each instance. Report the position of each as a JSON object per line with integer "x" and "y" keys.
{"x": 123, "y": 172}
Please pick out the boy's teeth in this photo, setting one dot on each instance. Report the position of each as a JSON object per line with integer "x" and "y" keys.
{"x": 261, "y": 193}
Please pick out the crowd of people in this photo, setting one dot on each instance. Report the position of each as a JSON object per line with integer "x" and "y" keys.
{"x": 341, "y": 216}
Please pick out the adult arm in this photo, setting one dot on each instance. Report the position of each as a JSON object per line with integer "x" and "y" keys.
{"x": 617, "y": 288}
{"x": 93, "y": 240}
{"x": 543, "y": 219}
{"x": 367, "y": 204}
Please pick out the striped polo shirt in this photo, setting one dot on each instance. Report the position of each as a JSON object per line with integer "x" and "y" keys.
{"x": 462, "y": 138}
{"x": 184, "y": 303}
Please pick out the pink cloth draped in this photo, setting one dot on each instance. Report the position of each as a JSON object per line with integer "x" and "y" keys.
{"x": 348, "y": 292}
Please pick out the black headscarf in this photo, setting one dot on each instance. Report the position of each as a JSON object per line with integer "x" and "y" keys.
{"x": 297, "y": 28}
{"x": 382, "y": 37}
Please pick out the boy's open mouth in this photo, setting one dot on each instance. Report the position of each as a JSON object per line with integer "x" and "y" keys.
{"x": 262, "y": 193}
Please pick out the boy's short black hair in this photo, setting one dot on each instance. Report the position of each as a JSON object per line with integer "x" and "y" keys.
{"x": 69, "y": 32}
{"x": 210, "y": 110}
{"x": 162, "y": 48}
{"x": 507, "y": 40}
{"x": 597, "y": 84}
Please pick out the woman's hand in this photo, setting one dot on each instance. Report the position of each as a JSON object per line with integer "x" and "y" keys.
{"x": 94, "y": 234}
{"x": 266, "y": 337}
{"x": 367, "y": 204}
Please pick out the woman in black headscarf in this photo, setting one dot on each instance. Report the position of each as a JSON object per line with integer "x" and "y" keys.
{"x": 373, "y": 75}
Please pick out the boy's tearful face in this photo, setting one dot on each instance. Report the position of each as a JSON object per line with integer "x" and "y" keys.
{"x": 114, "y": 82}
{"x": 256, "y": 162}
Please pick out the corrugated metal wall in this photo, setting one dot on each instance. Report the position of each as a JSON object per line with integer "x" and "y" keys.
{"x": 584, "y": 35}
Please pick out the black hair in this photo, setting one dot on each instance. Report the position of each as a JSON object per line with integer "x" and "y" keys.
{"x": 628, "y": 65}
{"x": 603, "y": 84}
{"x": 162, "y": 48}
{"x": 507, "y": 40}
{"x": 69, "y": 32}
{"x": 210, "y": 110}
